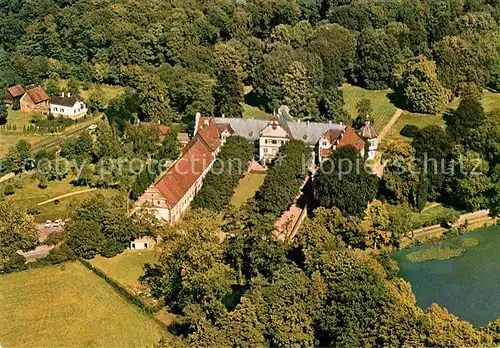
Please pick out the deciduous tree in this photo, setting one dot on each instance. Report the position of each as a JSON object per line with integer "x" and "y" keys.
{"x": 17, "y": 230}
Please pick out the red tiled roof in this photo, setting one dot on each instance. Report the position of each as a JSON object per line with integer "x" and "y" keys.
{"x": 203, "y": 122}
{"x": 210, "y": 135}
{"x": 221, "y": 127}
{"x": 324, "y": 153}
{"x": 181, "y": 177}
{"x": 16, "y": 91}
{"x": 162, "y": 129}
{"x": 332, "y": 135}
{"x": 38, "y": 95}
{"x": 351, "y": 138}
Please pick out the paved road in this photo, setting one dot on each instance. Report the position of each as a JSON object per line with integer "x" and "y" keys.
{"x": 43, "y": 231}
{"x": 43, "y": 250}
{"x": 39, "y": 252}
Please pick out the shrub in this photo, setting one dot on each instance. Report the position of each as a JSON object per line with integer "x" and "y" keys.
{"x": 60, "y": 254}
{"x": 85, "y": 238}
{"x": 409, "y": 131}
{"x": 55, "y": 238}
{"x": 8, "y": 190}
{"x": 449, "y": 219}
{"x": 111, "y": 248}
{"x": 15, "y": 263}
{"x": 43, "y": 183}
{"x": 33, "y": 210}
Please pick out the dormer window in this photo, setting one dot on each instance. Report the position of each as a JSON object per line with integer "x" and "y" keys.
{"x": 324, "y": 143}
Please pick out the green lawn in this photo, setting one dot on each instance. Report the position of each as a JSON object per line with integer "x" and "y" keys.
{"x": 8, "y": 139}
{"x": 247, "y": 188}
{"x": 127, "y": 267}
{"x": 419, "y": 120}
{"x": 250, "y": 111}
{"x": 65, "y": 206}
{"x": 70, "y": 307}
{"x": 254, "y": 112}
{"x": 383, "y": 109}
{"x": 106, "y": 92}
{"x": 29, "y": 195}
{"x": 19, "y": 119}
{"x": 490, "y": 102}
{"x": 432, "y": 212}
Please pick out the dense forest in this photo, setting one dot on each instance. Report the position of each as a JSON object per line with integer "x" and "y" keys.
{"x": 182, "y": 57}
{"x": 334, "y": 285}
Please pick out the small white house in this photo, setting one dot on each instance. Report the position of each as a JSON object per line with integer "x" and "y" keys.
{"x": 68, "y": 105}
{"x": 143, "y": 243}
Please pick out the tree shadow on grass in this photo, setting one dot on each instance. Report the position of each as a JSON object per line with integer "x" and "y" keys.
{"x": 253, "y": 99}
{"x": 397, "y": 99}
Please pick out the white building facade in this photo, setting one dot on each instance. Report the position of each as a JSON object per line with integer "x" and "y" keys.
{"x": 68, "y": 105}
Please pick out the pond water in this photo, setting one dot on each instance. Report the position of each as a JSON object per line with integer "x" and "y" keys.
{"x": 467, "y": 285}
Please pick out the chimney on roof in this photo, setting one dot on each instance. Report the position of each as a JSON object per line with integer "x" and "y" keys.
{"x": 69, "y": 94}
{"x": 63, "y": 94}
{"x": 223, "y": 116}
{"x": 307, "y": 123}
{"x": 196, "y": 123}
{"x": 159, "y": 122}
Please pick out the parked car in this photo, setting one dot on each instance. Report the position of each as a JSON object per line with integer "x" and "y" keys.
{"x": 48, "y": 224}
{"x": 57, "y": 223}
{"x": 92, "y": 127}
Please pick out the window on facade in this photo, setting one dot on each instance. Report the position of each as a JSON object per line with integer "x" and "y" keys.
{"x": 274, "y": 142}
{"x": 265, "y": 150}
{"x": 323, "y": 143}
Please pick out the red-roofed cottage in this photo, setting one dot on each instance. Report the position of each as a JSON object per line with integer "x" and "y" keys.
{"x": 14, "y": 93}
{"x": 35, "y": 99}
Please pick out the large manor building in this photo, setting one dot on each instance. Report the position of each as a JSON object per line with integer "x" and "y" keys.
{"x": 171, "y": 195}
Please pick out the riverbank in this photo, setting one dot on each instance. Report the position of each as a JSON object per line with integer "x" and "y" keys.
{"x": 466, "y": 222}
{"x": 467, "y": 284}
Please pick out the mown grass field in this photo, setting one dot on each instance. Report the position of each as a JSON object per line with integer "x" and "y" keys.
{"x": 8, "y": 139}
{"x": 18, "y": 120}
{"x": 250, "y": 111}
{"x": 383, "y": 109}
{"x": 254, "y": 112}
{"x": 247, "y": 188}
{"x": 127, "y": 267}
{"x": 490, "y": 102}
{"x": 29, "y": 195}
{"x": 106, "y": 92}
{"x": 432, "y": 212}
{"x": 70, "y": 307}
